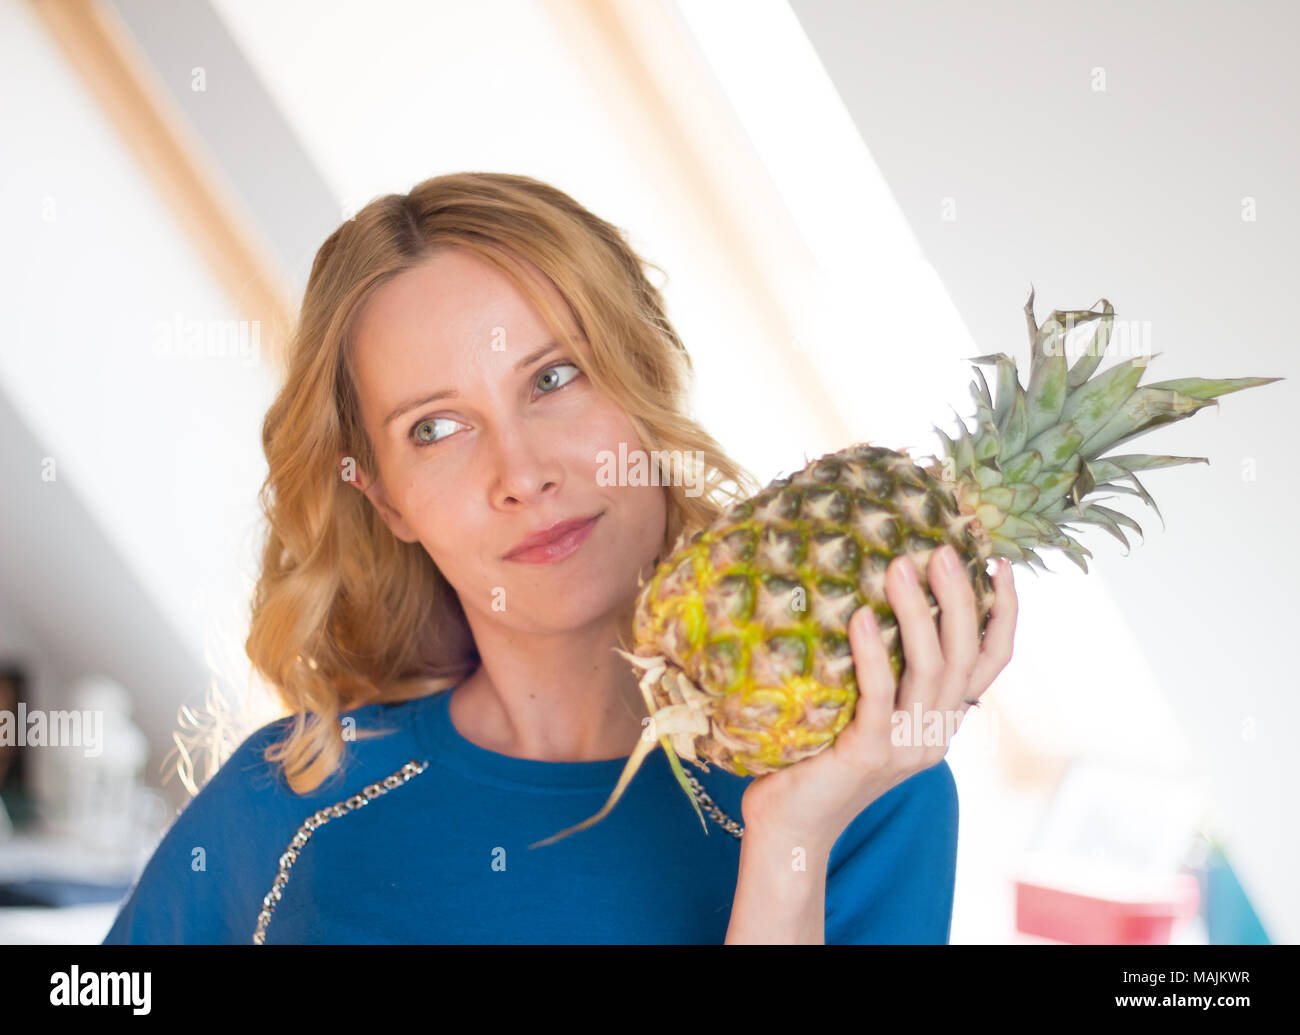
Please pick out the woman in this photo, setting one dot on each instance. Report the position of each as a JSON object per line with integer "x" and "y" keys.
{"x": 464, "y": 355}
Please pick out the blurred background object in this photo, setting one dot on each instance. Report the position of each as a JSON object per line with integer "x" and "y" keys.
{"x": 1107, "y": 865}
{"x": 1229, "y": 915}
{"x": 848, "y": 201}
{"x": 94, "y": 796}
{"x": 15, "y": 797}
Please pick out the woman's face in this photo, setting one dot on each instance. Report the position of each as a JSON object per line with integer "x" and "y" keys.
{"x": 511, "y": 448}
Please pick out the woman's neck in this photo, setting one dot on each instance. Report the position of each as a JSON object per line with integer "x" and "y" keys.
{"x": 554, "y": 699}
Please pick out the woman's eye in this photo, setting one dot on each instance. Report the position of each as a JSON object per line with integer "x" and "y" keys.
{"x": 549, "y": 372}
{"x": 423, "y": 433}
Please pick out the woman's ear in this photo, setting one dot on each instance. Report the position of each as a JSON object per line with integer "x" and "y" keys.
{"x": 373, "y": 489}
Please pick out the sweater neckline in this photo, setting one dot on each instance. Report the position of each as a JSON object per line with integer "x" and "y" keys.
{"x": 448, "y": 746}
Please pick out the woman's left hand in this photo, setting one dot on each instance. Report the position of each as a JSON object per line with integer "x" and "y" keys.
{"x": 947, "y": 667}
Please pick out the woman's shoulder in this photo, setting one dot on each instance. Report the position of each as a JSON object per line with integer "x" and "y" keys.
{"x": 377, "y": 739}
{"x": 220, "y": 854}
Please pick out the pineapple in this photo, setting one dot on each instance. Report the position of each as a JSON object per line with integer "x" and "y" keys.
{"x": 741, "y": 632}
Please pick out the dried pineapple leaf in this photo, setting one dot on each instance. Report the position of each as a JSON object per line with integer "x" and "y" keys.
{"x": 664, "y": 721}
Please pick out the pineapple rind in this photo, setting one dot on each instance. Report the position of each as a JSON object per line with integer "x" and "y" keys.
{"x": 777, "y": 579}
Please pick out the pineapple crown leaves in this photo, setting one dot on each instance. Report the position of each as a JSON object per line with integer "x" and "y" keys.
{"x": 1033, "y": 465}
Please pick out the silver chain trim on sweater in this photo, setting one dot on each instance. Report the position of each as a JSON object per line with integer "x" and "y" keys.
{"x": 372, "y": 791}
{"x": 367, "y": 795}
{"x": 716, "y": 814}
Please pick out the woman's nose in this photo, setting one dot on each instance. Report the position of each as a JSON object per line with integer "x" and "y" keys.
{"x": 525, "y": 467}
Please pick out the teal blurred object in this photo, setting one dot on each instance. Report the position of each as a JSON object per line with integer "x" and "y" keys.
{"x": 1230, "y": 919}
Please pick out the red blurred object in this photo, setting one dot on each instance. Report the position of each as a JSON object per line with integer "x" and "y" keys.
{"x": 1067, "y": 916}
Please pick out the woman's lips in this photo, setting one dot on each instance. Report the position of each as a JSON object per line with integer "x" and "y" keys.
{"x": 557, "y": 549}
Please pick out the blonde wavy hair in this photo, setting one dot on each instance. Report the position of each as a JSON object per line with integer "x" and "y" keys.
{"x": 344, "y": 613}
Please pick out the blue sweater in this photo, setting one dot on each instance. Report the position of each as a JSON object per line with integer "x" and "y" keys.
{"x": 442, "y": 856}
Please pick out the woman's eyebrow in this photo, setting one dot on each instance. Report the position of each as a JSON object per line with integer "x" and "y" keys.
{"x": 451, "y": 393}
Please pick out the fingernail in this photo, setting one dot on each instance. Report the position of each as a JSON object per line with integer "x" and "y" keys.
{"x": 949, "y": 559}
{"x": 907, "y": 572}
